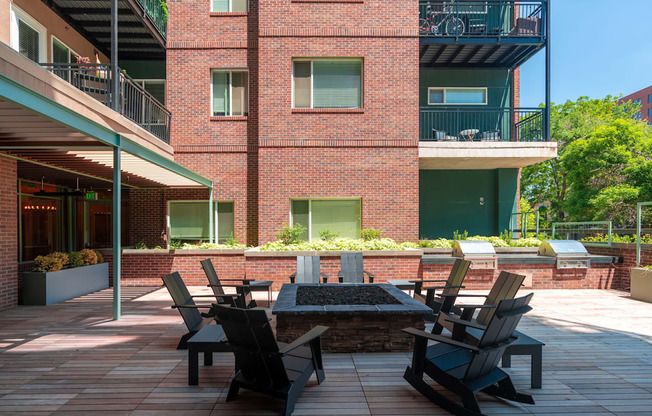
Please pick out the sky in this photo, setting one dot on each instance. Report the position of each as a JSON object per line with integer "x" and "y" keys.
{"x": 599, "y": 48}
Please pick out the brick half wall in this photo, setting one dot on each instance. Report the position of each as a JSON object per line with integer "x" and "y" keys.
{"x": 8, "y": 234}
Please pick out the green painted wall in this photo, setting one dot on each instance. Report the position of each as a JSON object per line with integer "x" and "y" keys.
{"x": 144, "y": 69}
{"x": 497, "y": 81}
{"x": 449, "y": 200}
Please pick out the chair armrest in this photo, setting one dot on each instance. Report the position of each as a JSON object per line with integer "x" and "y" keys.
{"x": 428, "y": 281}
{"x": 190, "y": 306}
{"x": 371, "y": 275}
{"x": 463, "y": 295}
{"x": 236, "y": 280}
{"x": 230, "y": 285}
{"x": 311, "y": 335}
{"x": 441, "y": 287}
{"x": 439, "y": 338}
{"x": 466, "y": 323}
{"x": 293, "y": 277}
{"x": 476, "y": 306}
{"x": 324, "y": 277}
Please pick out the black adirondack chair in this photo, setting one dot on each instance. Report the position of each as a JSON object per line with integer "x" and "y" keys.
{"x": 244, "y": 286}
{"x": 184, "y": 302}
{"x": 308, "y": 271}
{"x": 444, "y": 301}
{"x": 465, "y": 369}
{"x": 352, "y": 269}
{"x": 505, "y": 287}
{"x": 265, "y": 366}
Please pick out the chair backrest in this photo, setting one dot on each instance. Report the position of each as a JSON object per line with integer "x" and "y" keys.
{"x": 501, "y": 328}
{"x": 505, "y": 287}
{"x": 307, "y": 269}
{"x": 211, "y": 274}
{"x": 250, "y": 334}
{"x": 352, "y": 268}
{"x": 181, "y": 296}
{"x": 456, "y": 276}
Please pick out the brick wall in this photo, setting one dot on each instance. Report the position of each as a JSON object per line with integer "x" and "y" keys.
{"x": 8, "y": 234}
{"x": 627, "y": 251}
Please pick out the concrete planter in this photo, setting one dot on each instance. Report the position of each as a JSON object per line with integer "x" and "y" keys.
{"x": 47, "y": 288}
{"x": 641, "y": 284}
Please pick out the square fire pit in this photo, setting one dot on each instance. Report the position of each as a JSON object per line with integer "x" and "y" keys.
{"x": 361, "y": 317}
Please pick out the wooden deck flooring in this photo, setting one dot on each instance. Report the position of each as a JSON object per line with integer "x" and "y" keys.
{"x": 72, "y": 359}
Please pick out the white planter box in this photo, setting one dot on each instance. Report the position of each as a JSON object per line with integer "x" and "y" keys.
{"x": 47, "y": 288}
{"x": 641, "y": 284}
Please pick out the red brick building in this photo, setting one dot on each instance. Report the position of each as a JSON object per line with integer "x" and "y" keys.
{"x": 644, "y": 99}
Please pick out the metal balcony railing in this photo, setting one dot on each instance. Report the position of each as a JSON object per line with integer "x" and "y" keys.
{"x": 135, "y": 103}
{"x": 487, "y": 124}
{"x": 154, "y": 12}
{"x": 481, "y": 19}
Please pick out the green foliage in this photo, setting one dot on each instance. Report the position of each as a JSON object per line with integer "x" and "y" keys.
{"x": 649, "y": 267}
{"x": 616, "y": 238}
{"x": 326, "y": 234}
{"x": 506, "y": 236}
{"x": 370, "y": 233}
{"x": 176, "y": 244}
{"x": 525, "y": 242}
{"x": 140, "y": 245}
{"x": 495, "y": 241}
{"x": 53, "y": 262}
{"x": 75, "y": 259}
{"x": 164, "y": 10}
{"x": 212, "y": 246}
{"x": 100, "y": 258}
{"x": 457, "y": 236}
{"x": 335, "y": 244}
{"x": 89, "y": 257}
{"x": 571, "y": 184}
{"x": 232, "y": 241}
{"x": 291, "y": 234}
{"x": 438, "y": 243}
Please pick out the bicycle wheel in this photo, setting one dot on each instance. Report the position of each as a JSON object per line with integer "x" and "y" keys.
{"x": 424, "y": 27}
{"x": 455, "y": 27}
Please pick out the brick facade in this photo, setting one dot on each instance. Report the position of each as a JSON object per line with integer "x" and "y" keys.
{"x": 8, "y": 234}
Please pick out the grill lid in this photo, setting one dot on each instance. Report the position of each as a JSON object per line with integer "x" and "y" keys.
{"x": 553, "y": 248}
{"x": 473, "y": 248}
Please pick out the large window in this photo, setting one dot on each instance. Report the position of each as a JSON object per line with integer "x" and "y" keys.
{"x": 229, "y": 5}
{"x": 457, "y": 96}
{"x": 330, "y": 83}
{"x": 27, "y": 36}
{"x": 338, "y": 215}
{"x": 188, "y": 220}
{"x": 230, "y": 93}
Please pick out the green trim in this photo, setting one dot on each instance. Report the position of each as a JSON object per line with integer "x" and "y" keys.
{"x": 17, "y": 93}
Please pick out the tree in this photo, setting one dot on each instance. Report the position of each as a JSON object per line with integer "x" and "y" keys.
{"x": 548, "y": 182}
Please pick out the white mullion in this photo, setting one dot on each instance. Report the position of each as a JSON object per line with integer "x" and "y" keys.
{"x": 230, "y": 93}
{"x": 216, "y": 226}
{"x": 312, "y": 105}
{"x": 310, "y": 220}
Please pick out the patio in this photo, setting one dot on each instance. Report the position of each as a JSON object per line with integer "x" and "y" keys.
{"x": 71, "y": 358}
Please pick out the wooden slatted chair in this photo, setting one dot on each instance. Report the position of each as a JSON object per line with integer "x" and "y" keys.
{"x": 308, "y": 271}
{"x": 352, "y": 269}
{"x": 265, "y": 366}
{"x": 444, "y": 301}
{"x": 185, "y": 304}
{"x": 465, "y": 369}
{"x": 244, "y": 298}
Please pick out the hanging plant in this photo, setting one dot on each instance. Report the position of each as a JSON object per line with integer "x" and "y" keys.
{"x": 164, "y": 10}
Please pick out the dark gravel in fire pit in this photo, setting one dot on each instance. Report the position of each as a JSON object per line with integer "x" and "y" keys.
{"x": 344, "y": 295}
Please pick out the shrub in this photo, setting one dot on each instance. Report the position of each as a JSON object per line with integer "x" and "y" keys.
{"x": 89, "y": 257}
{"x": 213, "y": 246}
{"x": 291, "y": 234}
{"x": 326, "y": 234}
{"x": 495, "y": 241}
{"x": 370, "y": 233}
{"x": 75, "y": 260}
{"x": 232, "y": 241}
{"x": 438, "y": 243}
{"x": 100, "y": 258}
{"x": 51, "y": 263}
{"x": 140, "y": 245}
{"x": 176, "y": 244}
{"x": 339, "y": 244}
{"x": 526, "y": 242}
{"x": 409, "y": 244}
{"x": 458, "y": 236}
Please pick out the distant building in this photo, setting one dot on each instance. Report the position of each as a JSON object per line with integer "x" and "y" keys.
{"x": 643, "y": 97}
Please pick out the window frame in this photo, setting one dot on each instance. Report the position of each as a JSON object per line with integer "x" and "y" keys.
{"x": 16, "y": 14}
{"x": 484, "y": 89}
{"x": 216, "y": 202}
{"x": 291, "y": 221}
{"x": 71, "y": 52}
{"x": 230, "y": 71}
{"x": 312, "y": 80}
{"x": 230, "y": 8}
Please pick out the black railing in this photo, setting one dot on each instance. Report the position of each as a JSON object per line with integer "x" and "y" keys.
{"x": 481, "y": 19}
{"x": 154, "y": 12}
{"x": 486, "y": 124}
{"x": 134, "y": 102}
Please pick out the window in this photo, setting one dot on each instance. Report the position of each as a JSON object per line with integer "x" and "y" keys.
{"x": 64, "y": 55}
{"x": 27, "y": 36}
{"x": 338, "y": 215}
{"x": 637, "y": 116}
{"x": 188, "y": 220}
{"x": 229, "y": 5}
{"x": 331, "y": 83}
{"x": 156, "y": 87}
{"x": 230, "y": 93}
{"x": 457, "y": 95}
{"x": 649, "y": 112}
{"x": 638, "y": 102}
{"x": 649, "y": 98}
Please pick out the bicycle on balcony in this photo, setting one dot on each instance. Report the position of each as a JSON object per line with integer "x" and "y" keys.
{"x": 449, "y": 25}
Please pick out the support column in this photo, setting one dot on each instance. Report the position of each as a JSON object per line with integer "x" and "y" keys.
{"x": 547, "y": 123}
{"x": 211, "y": 216}
{"x": 115, "y": 76}
{"x": 117, "y": 237}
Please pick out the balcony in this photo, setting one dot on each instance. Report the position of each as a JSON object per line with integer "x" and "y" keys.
{"x": 490, "y": 34}
{"x": 135, "y": 103}
{"x": 142, "y": 25}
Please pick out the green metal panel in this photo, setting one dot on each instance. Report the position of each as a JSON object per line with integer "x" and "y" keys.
{"x": 449, "y": 200}
{"x": 497, "y": 81}
{"x": 144, "y": 69}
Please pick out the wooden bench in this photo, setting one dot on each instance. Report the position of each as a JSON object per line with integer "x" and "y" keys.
{"x": 208, "y": 340}
{"x": 527, "y": 346}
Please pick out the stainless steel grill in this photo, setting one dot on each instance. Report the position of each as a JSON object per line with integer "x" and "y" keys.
{"x": 481, "y": 254}
{"x": 570, "y": 254}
